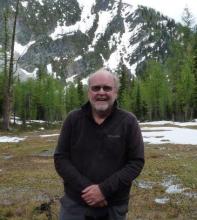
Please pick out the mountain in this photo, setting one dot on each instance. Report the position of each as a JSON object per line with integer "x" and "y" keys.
{"x": 69, "y": 37}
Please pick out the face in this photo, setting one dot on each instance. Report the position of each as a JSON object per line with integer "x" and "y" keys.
{"x": 102, "y": 92}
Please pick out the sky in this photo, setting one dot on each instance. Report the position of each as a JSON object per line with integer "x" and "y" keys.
{"x": 171, "y": 8}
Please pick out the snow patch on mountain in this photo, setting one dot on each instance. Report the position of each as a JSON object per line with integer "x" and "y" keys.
{"x": 78, "y": 58}
{"x": 71, "y": 79}
{"x": 128, "y": 10}
{"x": 84, "y": 25}
{"x": 24, "y": 4}
{"x": 124, "y": 49}
{"x": 40, "y": 1}
{"x": 24, "y": 74}
{"x": 49, "y": 68}
{"x": 105, "y": 17}
{"x": 20, "y": 50}
{"x": 114, "y": 40}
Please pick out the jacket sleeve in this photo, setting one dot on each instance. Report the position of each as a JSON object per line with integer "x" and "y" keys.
{"x": 63, "y": 164}
{"x": 134, "y": 164}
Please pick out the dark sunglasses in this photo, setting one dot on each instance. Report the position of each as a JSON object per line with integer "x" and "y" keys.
{"x": 98, "y": 88}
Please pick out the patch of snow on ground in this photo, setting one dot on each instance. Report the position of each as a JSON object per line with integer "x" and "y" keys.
{"x": 48, "y": 135}
{"x": 174, "y": 135}
{"x": 36, "y": 121}
{"x": 182, "y": 124}
{"x": 9, "y": 139}
{"x": 176, "y": 188}
{"x": 163, "y": 200}
{"x": 171, "y": 187}
{"x": 17, "y": 121}
{"x": 190, "y": 194}
{"x": 145, "y": 184}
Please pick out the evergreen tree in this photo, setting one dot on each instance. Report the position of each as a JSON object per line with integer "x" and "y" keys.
{"x": 46, "y": 95}
{"x": 53, "y": 99}
{"x": 80, "y": 92}
{"x": 194, "y": 69}
{"x": 136, "y": 99}
{"x": 71, "y": 98}
{"x": 124, "y": 98}
{"x": 24, "y": 100}
{"x": 155, "y": 91}
{"x": 187, "y": 18}
{"x": 185, "y": 89}
{"x": 41, "y": 73}
{"x": 186, "y": 82}
{"x": 173, "y": 68}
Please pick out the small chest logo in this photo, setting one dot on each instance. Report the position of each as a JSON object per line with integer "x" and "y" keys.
{"x": 113, "y": 136}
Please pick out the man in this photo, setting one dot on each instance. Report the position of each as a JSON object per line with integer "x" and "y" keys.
{"x": 99, "y": 153}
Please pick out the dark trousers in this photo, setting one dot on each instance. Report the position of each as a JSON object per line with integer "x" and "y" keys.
{"x": 70, "y": 210}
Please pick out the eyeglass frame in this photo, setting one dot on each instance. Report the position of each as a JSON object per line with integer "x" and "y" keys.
{"x": 97, "y": 88}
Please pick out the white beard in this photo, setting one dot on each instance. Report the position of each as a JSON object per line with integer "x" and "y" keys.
{"x": 101, "y": 107}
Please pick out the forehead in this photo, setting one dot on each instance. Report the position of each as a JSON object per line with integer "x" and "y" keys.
{"x": 102, "y": 79}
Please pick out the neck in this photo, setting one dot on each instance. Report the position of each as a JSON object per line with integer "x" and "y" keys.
{"x": 99, "y": 117}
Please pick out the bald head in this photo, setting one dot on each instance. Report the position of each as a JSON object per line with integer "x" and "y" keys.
{"x": 104, "y": 73}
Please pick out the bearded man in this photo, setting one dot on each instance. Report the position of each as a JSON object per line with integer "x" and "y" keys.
{"x": 100, "y": 152}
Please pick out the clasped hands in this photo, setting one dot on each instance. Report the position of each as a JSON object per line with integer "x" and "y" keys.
{"x": 93, "y": 196}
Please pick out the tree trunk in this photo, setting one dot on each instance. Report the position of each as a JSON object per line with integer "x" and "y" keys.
{"x": 6, "y": 112}
{"x": 6, "y": 107}
{"x": 8, "y": 80}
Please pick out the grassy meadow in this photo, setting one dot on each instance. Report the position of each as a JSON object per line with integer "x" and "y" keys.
{"x": 30, "y": 187}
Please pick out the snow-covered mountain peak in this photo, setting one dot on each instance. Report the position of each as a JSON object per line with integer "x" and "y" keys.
{"x": 78, "y": 36}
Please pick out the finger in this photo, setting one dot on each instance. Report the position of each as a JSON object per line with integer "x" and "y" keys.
{"x": 86, "y": 189}
{"x": 86, "y": 197}
{"x": 101, "y": 204}
{"x": 105, "y": 203}
{"x": 88, "y": 200}
{"x": 91, "y": 202}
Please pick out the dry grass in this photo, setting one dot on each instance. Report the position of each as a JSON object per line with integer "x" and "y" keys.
{"x": 163, "y": 161}
{"x": 28, "y": 180}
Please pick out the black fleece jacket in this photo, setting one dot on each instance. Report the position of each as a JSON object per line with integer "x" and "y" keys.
{"x": 110, "y": 154}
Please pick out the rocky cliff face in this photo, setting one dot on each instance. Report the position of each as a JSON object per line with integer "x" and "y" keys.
{"x": 70, "y": 37}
